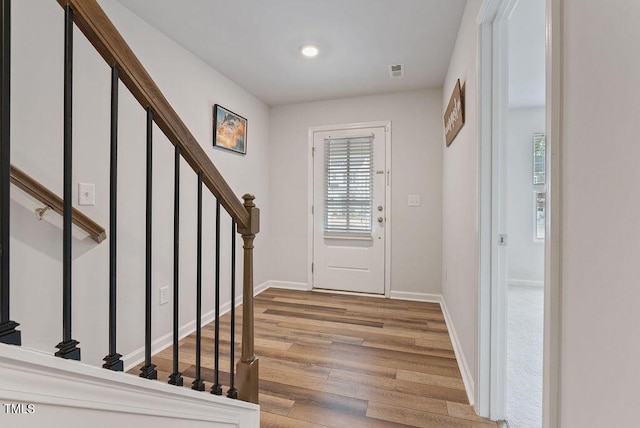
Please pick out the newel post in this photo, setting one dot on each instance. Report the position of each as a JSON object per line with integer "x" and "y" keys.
{"x": 247, "y": 367}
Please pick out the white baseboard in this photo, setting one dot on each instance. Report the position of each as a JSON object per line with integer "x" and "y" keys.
{"x": 134, "y": 358}
{"x": 260, "y": 288}
{"x": 457, "y": 348}
{"x": 525, "y": 283}
{"x": 415, "y": 297}
{"x": 288, "y": 285}
{"x": 467, "y": 379}
{"x": 70, "y": 393}
{"x": 285, "y": 285}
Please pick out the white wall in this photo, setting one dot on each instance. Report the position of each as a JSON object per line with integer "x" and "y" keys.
{"x": 416, "y": 168}
{"x": 460, "y": 193}
{"x": 192, "y": 88}
{"x": 525, "y": 255}
{"x": 601, "y": 208}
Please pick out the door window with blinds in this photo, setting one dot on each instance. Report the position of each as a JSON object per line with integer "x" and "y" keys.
{"x": 348, "y": 187}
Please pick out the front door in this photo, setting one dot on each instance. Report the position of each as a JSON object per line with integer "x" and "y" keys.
{"x": 349, "y": 213}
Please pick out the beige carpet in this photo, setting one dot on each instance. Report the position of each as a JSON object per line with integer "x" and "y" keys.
{"x": 524, "y": 356}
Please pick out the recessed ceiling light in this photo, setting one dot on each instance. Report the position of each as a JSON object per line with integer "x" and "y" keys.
{"x": 309, "y": 50}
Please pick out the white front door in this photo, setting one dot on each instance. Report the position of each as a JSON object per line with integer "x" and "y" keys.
{"x": 349, "y": 216}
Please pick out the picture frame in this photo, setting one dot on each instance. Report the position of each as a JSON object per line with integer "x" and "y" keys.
{"x": 539, "y": 158}
{"x": 229, "y": 130}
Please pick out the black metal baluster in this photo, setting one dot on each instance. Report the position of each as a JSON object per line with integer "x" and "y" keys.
{"x": 217, "y": 388}
{"x": 233, "y": 392}
{"x": 148, "y": 371}
{"x": 68, "y": 347}
{"x": 176, "y": 377}
{"x": 198, "y": 384}
{"x": 113, "y": 361}
{"x": 8, "y": 332}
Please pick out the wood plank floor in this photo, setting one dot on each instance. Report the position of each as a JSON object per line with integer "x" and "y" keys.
{"x": 330, "y": 360}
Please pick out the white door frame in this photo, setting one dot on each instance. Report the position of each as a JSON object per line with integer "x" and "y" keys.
{"x": 492, "y": 109}
{"x": 386, "y": 124}
{"x": 494, "y": 99}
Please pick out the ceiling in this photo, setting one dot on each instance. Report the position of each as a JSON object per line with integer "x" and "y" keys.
{"x": 256, "y": 43}
{"x": 527, "y": 54}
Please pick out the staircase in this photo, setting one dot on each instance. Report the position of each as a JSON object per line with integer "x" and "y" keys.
{"x": 57, "y": 384}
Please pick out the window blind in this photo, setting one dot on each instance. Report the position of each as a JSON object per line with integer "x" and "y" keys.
{"x": 348, "y": 185}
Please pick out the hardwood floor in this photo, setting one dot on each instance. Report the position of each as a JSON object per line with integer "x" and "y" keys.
{"x": 330, "y": 360}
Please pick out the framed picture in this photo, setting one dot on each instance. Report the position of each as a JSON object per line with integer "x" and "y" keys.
{"x": 539, "y": 158}
{"x": 229, "y": 130}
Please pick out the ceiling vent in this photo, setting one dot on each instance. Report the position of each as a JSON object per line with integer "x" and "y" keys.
{"x": 396, "y": 70}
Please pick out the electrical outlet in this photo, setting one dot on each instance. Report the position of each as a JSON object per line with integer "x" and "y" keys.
{"x": 164, "y": 296}
{"x": 413, "y": 200}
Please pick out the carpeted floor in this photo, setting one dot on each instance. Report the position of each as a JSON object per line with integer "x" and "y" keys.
{"x": 524, "y": 356}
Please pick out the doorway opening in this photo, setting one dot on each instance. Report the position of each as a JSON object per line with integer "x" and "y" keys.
{"x": 525, "y": 213}
{"x": 518, "y": 288}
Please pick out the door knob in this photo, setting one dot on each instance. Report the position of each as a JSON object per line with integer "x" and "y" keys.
{"x": 379, "y": 207}
{"x": 380, "y": 219}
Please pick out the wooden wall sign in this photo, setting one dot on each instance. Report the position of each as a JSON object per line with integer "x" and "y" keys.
{"x": 454, "y": 116}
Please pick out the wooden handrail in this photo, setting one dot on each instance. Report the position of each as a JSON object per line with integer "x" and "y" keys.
{"x": 102, "y": 34}
{"x": 53, "y": 201}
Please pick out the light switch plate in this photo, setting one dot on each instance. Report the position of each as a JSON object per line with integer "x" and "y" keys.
{"x": 86, "y": 194}
{"x": 164, "y": 296}
{"x": 414, "y": 200}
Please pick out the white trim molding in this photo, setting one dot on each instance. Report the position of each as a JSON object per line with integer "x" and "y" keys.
{"x": 484, "y": 248}
{"x": 525, "y": 283}
{"x": 415, "y": 297}
{"x": 492, "y": 106}
{"x": 60, "y": 389}
{"x": 467, "y": 378}
{"x": 261, "y": 287}
{"x": 288, "y": 285}
{"x": 135, "y": 357}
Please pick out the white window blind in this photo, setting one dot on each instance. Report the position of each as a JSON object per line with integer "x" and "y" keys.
{"x": 348, "y": 186}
